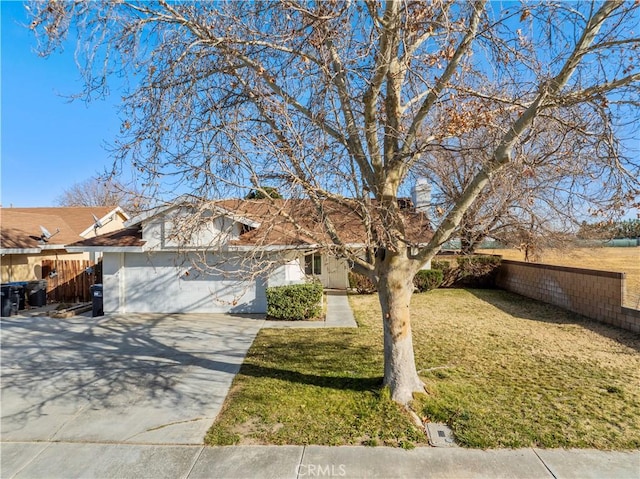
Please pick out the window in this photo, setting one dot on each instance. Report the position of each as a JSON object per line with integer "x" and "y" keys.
{"x": 245, "y": 229}
{"x": 313, "y": 264}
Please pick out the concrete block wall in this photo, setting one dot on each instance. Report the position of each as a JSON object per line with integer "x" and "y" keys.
{"x": 595, "y": 294}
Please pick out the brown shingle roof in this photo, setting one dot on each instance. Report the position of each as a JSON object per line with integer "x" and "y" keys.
{"x": 125, "y": 237}
{"x": 20, "y": 227}
{"x": 78, "y": 218}
{"x": 278, "y": 229}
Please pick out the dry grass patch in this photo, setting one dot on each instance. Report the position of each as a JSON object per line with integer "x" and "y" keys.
{"x": 624, "y": 260}
{"x": 501, "y": 370}
{"x": 518, "y": 373}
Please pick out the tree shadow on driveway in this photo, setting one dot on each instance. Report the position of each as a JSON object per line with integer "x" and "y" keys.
{"x": 164, "y": 361}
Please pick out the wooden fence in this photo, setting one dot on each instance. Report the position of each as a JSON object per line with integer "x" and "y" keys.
{"x": 68, "y": 281}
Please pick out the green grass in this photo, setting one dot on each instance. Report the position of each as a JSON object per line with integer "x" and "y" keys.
{"x": 318, "y": 386}
{"x": 501, "y": 370}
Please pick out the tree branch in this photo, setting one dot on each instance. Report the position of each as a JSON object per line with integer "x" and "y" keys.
{"x": 434, "y": 93}
{"x": 502, "y": 153}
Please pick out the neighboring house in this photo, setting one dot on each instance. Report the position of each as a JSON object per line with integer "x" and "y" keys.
{"x": 170, "y": 260}
{"x": 30, "y": 235}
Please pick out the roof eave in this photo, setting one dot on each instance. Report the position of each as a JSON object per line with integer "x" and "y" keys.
{"x": 283, "y": 247}
{"x": 51, "y": 247}
{"x": 182, "y": 200}
{"x": 105, "y": 249}
{"x": 20, "y": 250}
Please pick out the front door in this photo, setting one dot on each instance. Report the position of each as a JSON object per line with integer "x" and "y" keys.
{"x": 331, "y": 271}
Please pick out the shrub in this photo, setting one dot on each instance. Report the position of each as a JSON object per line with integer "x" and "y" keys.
{"x": 449, "y": 272}
{"x": 468, "y": 271}
{"x": 295, "y": 302}
{"x": 427, "y": 279}
{"x": 361, "y": 284}
{"x": 478, "y": 271}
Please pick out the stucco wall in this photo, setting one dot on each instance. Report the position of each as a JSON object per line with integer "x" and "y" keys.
{"x": 115, "y": 224}
{"x": 158, "y": 232}
{"x": 23, "y": 267}
{"x": 595, "y": 294}
{"x": 288, "y": 273}
{"x": 19, "y": 267}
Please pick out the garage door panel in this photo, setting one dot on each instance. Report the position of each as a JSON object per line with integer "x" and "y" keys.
{"x": 159, "y": 283}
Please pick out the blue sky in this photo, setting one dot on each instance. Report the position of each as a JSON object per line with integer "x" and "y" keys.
{"x": 48, "y": 143}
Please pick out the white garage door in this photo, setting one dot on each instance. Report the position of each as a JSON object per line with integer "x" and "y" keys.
{"x": 166, "y": 283}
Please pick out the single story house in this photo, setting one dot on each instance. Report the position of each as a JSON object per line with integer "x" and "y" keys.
{"x": 30, "y": 235}
{"x": 221, "y": 256}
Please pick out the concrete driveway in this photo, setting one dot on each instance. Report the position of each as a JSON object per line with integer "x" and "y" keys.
{"x": 145, "y": 379}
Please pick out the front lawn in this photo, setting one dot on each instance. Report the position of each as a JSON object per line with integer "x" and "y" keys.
{"x": 501, "y": 370}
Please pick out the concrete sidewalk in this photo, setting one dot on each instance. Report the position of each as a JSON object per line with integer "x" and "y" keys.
{"x": 105, "y": 461}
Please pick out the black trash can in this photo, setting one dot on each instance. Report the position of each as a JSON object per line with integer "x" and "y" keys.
{"x": 20, "y": 291}
{"x": 12, "y": 295}
{"x": 37, "y": 293}
{"x": 96, "y": 295}
{"x": 6, "y": 300}
{"x": 17, "y": 295}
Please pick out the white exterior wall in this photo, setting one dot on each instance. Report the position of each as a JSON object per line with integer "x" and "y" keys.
{"x": 152, "y": 233}
{"x": 112, "y": 274}
{"x": 157, "y": 232}
{"x": 219, "y": 230}
{"x": 292, "y": 272}
{"x": 427, "y": 265}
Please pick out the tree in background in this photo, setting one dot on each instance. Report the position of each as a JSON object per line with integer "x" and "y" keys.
{"x": 607, "y": 230}
{"x": 263, "y": 192}
{"x": 554, "y": 180}
{"x": 628, "y": 229}
{"x": 102, "y": 192}
{"x": 339, "y": 102}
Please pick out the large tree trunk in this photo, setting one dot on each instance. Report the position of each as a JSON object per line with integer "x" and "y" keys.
{"x": 395, "y": 288}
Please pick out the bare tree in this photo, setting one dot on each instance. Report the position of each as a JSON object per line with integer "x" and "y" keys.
{"x": 337, "y": 102}
{"x": 545, "y": 191}
{"x": 97, "y": 191}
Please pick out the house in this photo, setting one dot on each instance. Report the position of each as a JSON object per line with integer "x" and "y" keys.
{"x": 222, "y": 255}
{"x": 29, "y": 236}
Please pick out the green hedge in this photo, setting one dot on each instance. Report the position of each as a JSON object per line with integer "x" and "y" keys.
{"x": 478, "y": 271}
{"x": 295, "y": 302}
{"x": 474, "y": 271}
{"x": 449, "y": 271}
{"x": 427, "y": 279}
